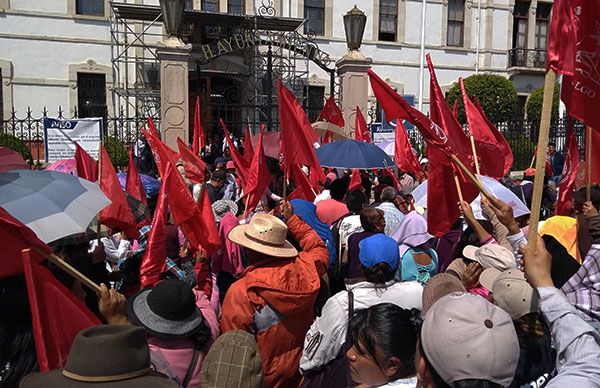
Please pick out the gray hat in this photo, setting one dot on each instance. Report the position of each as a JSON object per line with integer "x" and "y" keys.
{"x": 222, "y": 206}
{"x": 466, "y": 337}
{"x": 511, "y": 291}
{"x": 491, "y": 256}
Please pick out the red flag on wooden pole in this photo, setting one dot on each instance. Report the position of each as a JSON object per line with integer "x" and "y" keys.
{"x": 133, "y": 184}
{"x": 198, "y": 141}
{"x": 297, "y": 135}
{"x": 569, "y": 174}
{"x": 87, "y": 167}
{"x": 154, "y": 260}
{"x": 238, "y": 160}
{"x": 193, "y": 165}
{"x": 304, "y": 189}
{"x": 355, "y": 181}
{"x": 331, "y": 113}
{"x": 403, "y": 154}
{"x": 258, "y": 177}
{"x": 57, "y": 315}
{"x": 161, "y": 152}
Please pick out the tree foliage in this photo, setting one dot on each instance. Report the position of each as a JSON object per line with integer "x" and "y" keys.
{"x": 497, "y": 95}
{"x": 116, "y": 151}
{"x": 534, "y": 104}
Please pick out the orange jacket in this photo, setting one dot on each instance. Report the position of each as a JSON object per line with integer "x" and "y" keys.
{"x": 274, "y": 299}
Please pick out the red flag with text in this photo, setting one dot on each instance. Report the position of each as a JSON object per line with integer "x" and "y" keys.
{"x": 57, "y": 316}
{"x": 331, "y": 113}
{"x": 297, "y": 135}
{"x": 154, "y": 260}
{"x": 118, "y": 214}
{"x": 569, "y": 174}
{"x": 87, "y": 167}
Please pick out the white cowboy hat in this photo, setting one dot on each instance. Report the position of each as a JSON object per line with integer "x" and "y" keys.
{"x": 265, "y": 234}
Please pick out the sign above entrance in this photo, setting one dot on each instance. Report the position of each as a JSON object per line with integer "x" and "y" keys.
{"x": 292, "y": 41}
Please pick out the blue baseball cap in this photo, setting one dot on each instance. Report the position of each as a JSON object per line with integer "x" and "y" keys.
{"x": 379, "y": 249}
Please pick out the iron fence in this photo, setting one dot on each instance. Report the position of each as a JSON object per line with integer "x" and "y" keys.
{"x": 121, "y": 132}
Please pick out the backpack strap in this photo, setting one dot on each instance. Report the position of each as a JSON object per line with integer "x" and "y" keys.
{"x": 350, "y": 314}
{"x": 191, "y": 368}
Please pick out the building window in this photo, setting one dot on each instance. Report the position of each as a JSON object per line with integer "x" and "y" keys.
{"x": 314, "y": 13}
{"x": 90, "y": 7}
{"x": 315, "y": 101}
{"x": 542, "y": 20}
{"x": 388, "y": 20}
{"x": 520, "y": 24}
{"x": 236, "y": 7}
{"x": 210, "y": 5}
{"x": 91, "y": 95}
{"x": 456, "y": 21}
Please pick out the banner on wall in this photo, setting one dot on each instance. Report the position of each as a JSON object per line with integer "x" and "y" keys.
{"x": 60, "y": 136}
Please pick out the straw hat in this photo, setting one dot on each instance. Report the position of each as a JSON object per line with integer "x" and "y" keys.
{"x": 265, "y": 234}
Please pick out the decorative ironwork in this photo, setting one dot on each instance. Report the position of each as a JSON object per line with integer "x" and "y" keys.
{"x": 533, "y": 59}
{"x": 266, "y": 8}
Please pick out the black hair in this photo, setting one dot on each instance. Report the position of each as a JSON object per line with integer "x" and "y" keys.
{"x": 368, "y": 216}
{"x": 385, "y": 330}
{"x": 379, "y": 273}
{"x": 469, "y": 237}
{"x": 551, "y": 143}
{"x": 17, "y": 346}
{"x": 355, "y": 201}
{"x": 385, "y": 180}
{"x": 218, "y": 175}
{"x": 338, "y": 189}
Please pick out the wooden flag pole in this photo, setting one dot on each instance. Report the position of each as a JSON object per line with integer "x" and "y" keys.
{"x": 588, "y": 164}
{"x": 458, "y": 189}
{"x": 475, "y": 155}
{"x": 70, "y": 270}
{"x": 540, "y": 163}
{"x": 246, "y": 207}
{"x": 472, "y": 178}
{"x": 284, "y": 187}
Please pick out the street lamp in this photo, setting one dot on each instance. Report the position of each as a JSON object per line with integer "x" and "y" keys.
{"x": 355, "y": 21}
{"x": 172, "y": 16}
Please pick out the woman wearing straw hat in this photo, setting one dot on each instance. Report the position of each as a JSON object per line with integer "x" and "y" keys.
{"x": 274, "y": 297}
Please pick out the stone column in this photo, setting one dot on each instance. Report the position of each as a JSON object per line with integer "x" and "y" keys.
{"x": 352, "y": 69}
{"x": 174, "y": 105}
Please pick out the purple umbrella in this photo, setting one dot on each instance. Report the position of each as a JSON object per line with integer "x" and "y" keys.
{"x": 151, "y": 185}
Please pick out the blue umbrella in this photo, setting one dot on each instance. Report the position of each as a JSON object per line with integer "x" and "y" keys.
{"x": 353, "y": 154}
{"x": 151, "y": 185}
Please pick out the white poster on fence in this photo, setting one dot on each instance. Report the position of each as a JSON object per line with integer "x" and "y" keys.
{"x": 60, "y": 136}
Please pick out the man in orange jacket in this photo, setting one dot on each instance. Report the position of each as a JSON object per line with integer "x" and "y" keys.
{"x": 275, "y": 296}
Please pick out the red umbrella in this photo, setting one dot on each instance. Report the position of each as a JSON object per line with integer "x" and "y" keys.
{"x": 68, "y": 166}
{"x": 270, "y": 143}
{"x": 11, "y": 160}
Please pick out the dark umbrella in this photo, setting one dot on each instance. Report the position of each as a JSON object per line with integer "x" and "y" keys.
{"x": 151, "y": 185}
{"x": 353, "y": 154}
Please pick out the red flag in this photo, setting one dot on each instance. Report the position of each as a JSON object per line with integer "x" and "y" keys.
{"x": 199, "y": 141}
{"x": 193, "y": 165}
{"x": 569, "y": 173}
{"x": 405, "y": 158}
{"x": 355, "y": 181}
{"x": 188, "y": 215}
{"x": 133, "y": 184}
{"x": 57, "y": 315}
{"x": 239, "y": 161}
{"x": 303, "y": 188}
{"x": 14, "y": 237}
{"x": 209, "y": 225}
{"x": 331, "y": 113}
{"x": 87, "y": 167}
{"x": 491, "y": 159}
{"x": 161, "y": 152}
{"x": 389, "y": 172}
{"x": 441, "y": 187}
{"x": 455, "y": 109}
{"x": 152, "y": 128}
{"x": 297, "y": 136}
{"x": 327, "y": 138}
{"x": 505, "y": 148}
{"x": 361, "y": 130}
{"x": 573, "y": 48}
{"x": 154, "y": 260}
{"x": 258, "y": 176}
{"x": 248, "y": 150}
{"x": 118, "y": 214}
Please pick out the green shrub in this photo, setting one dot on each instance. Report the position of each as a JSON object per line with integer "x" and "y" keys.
{"x": 497, "y": 95}
{"x": 116, "y": 151}
{"x": 522, "y": 148}
{"x": 534, "y": 104}
{"x": 12, "y": 142}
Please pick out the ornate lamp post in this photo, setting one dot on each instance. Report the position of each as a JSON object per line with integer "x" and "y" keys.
{"x": 355, "y": 21}
{"x": 172, "y": 15}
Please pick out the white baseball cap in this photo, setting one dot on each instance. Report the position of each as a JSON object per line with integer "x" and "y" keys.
{"x": 491, "y": 256}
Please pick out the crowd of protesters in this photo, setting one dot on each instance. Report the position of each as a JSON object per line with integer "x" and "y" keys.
{"x": 347, "y": 290}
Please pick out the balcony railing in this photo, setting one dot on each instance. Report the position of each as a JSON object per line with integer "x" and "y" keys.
{"x": 521, "y": 57}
